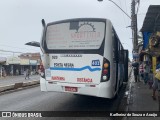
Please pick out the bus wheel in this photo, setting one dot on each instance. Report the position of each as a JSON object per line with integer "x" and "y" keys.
{"x": 115, "y": 97}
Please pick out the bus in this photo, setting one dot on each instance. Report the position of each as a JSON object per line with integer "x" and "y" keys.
{"x": 82, "y": 56}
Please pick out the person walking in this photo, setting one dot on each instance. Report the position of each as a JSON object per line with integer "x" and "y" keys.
{"x": 17, "y": 72}
{"x": 11, "y": 72}
{"x": 136, "y": 71}
{"x": 26, "y": 74}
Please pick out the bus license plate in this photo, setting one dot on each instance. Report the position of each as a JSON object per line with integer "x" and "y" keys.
{"x": 71, "y": 89}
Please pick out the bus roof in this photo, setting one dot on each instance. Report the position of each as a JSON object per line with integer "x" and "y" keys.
{"x": 78, "y": 19}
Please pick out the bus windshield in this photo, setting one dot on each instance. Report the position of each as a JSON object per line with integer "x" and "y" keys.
{"x": 75, "y": 35}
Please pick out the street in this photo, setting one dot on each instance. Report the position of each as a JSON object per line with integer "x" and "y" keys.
{"x": 34, "y": 100}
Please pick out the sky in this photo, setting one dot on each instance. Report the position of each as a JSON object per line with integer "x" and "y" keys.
{"x": 20, "y": 20}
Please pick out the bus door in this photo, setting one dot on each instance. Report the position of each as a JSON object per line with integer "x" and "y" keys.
{"x": 115, "y": 58}
{"x": 125, "y": 65}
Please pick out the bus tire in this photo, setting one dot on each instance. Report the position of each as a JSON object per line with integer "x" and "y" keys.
{"x": 115, "y": 96}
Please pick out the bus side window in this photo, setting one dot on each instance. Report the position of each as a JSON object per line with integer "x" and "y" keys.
{"x": 121, "y": 54}
{"x": 115, "y": 47}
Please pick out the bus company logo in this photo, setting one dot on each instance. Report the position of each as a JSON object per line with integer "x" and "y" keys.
{"x": 86, "y": 80}
{"x": 82, "y": 26}
{"x": 58, "y": 78}
{"x": 95, "y": 62}
{"x": 84, "y": 31}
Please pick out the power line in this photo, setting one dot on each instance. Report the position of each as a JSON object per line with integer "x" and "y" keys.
{"x": 14, "y": 47}
{"x": 126, "y": 6}
{"x": 120, "y": 8}
{"x": 123, "y": 14}
{"x": 6, "y": 54}
{"x": 127, "y": 11}
{"x": 9, "y": 51}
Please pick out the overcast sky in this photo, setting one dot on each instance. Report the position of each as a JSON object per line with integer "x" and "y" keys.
{"x": 20, "y": 20}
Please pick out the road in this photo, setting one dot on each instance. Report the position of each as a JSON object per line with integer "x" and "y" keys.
{"x": 34, "y": 100}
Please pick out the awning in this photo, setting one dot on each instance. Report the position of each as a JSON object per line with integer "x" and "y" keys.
{"x": 149, "y": 53}
{"x": 152, "y": 20}
{"x": 2, "y": 60}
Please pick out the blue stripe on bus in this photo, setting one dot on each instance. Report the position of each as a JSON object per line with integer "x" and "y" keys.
{"x": 76, "y": 69}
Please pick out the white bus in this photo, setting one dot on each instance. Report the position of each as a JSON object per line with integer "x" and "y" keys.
{"x": 82, "y": 56}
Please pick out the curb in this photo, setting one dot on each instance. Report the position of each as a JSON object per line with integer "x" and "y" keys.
{"x": 128, "y": 97}
{"x": 123, "y": 105}
{"x": 18, "y": 85}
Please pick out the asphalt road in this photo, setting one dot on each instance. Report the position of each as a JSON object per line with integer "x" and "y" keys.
{"x": 34, "y": 100}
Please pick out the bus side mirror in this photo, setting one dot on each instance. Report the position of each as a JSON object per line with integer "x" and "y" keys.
{"x": 43, "y": 23}
{"x": 33, "y": 43}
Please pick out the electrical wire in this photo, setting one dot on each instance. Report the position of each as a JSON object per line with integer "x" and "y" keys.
{"x": 15, "y": 47}
{"x": 123, "y": 14}
{"x": 126, "y": 10}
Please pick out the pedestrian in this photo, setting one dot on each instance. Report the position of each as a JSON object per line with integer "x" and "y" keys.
{"x": 141, "y": 71}
{"x": 146, "y": 72}
{"x": 26, "y": 74}
{"x": 17, "y": 72}
{"x": 11, "y": 72}
{"x": 135, "y": 66}
{"x": 156, "y": 83}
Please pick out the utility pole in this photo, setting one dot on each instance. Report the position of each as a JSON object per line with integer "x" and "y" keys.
{"x": 133, "y": 22}
{"x": 134, "y": 25}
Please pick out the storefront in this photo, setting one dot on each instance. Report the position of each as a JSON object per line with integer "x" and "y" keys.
{"x": 33, "y": 66}
{"x": 13, "y": 65}
{"x": 24, "y": 65}
{"x": 151, "y": 35}
{"x": 2, "y": 63}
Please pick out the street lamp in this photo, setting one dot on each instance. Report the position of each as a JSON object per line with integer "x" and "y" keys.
{"x": 118, "y": 7}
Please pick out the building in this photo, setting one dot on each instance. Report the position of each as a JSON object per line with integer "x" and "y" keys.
{"x": 151, "y": 36}
{"x": 2, "y": 62}
{"x": 16, "y": 65}
{"x": 30, "y": 61}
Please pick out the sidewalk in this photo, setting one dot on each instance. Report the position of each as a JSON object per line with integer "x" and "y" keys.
{"x": 8, "y": 80}
{"x": 141, "y": 99}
